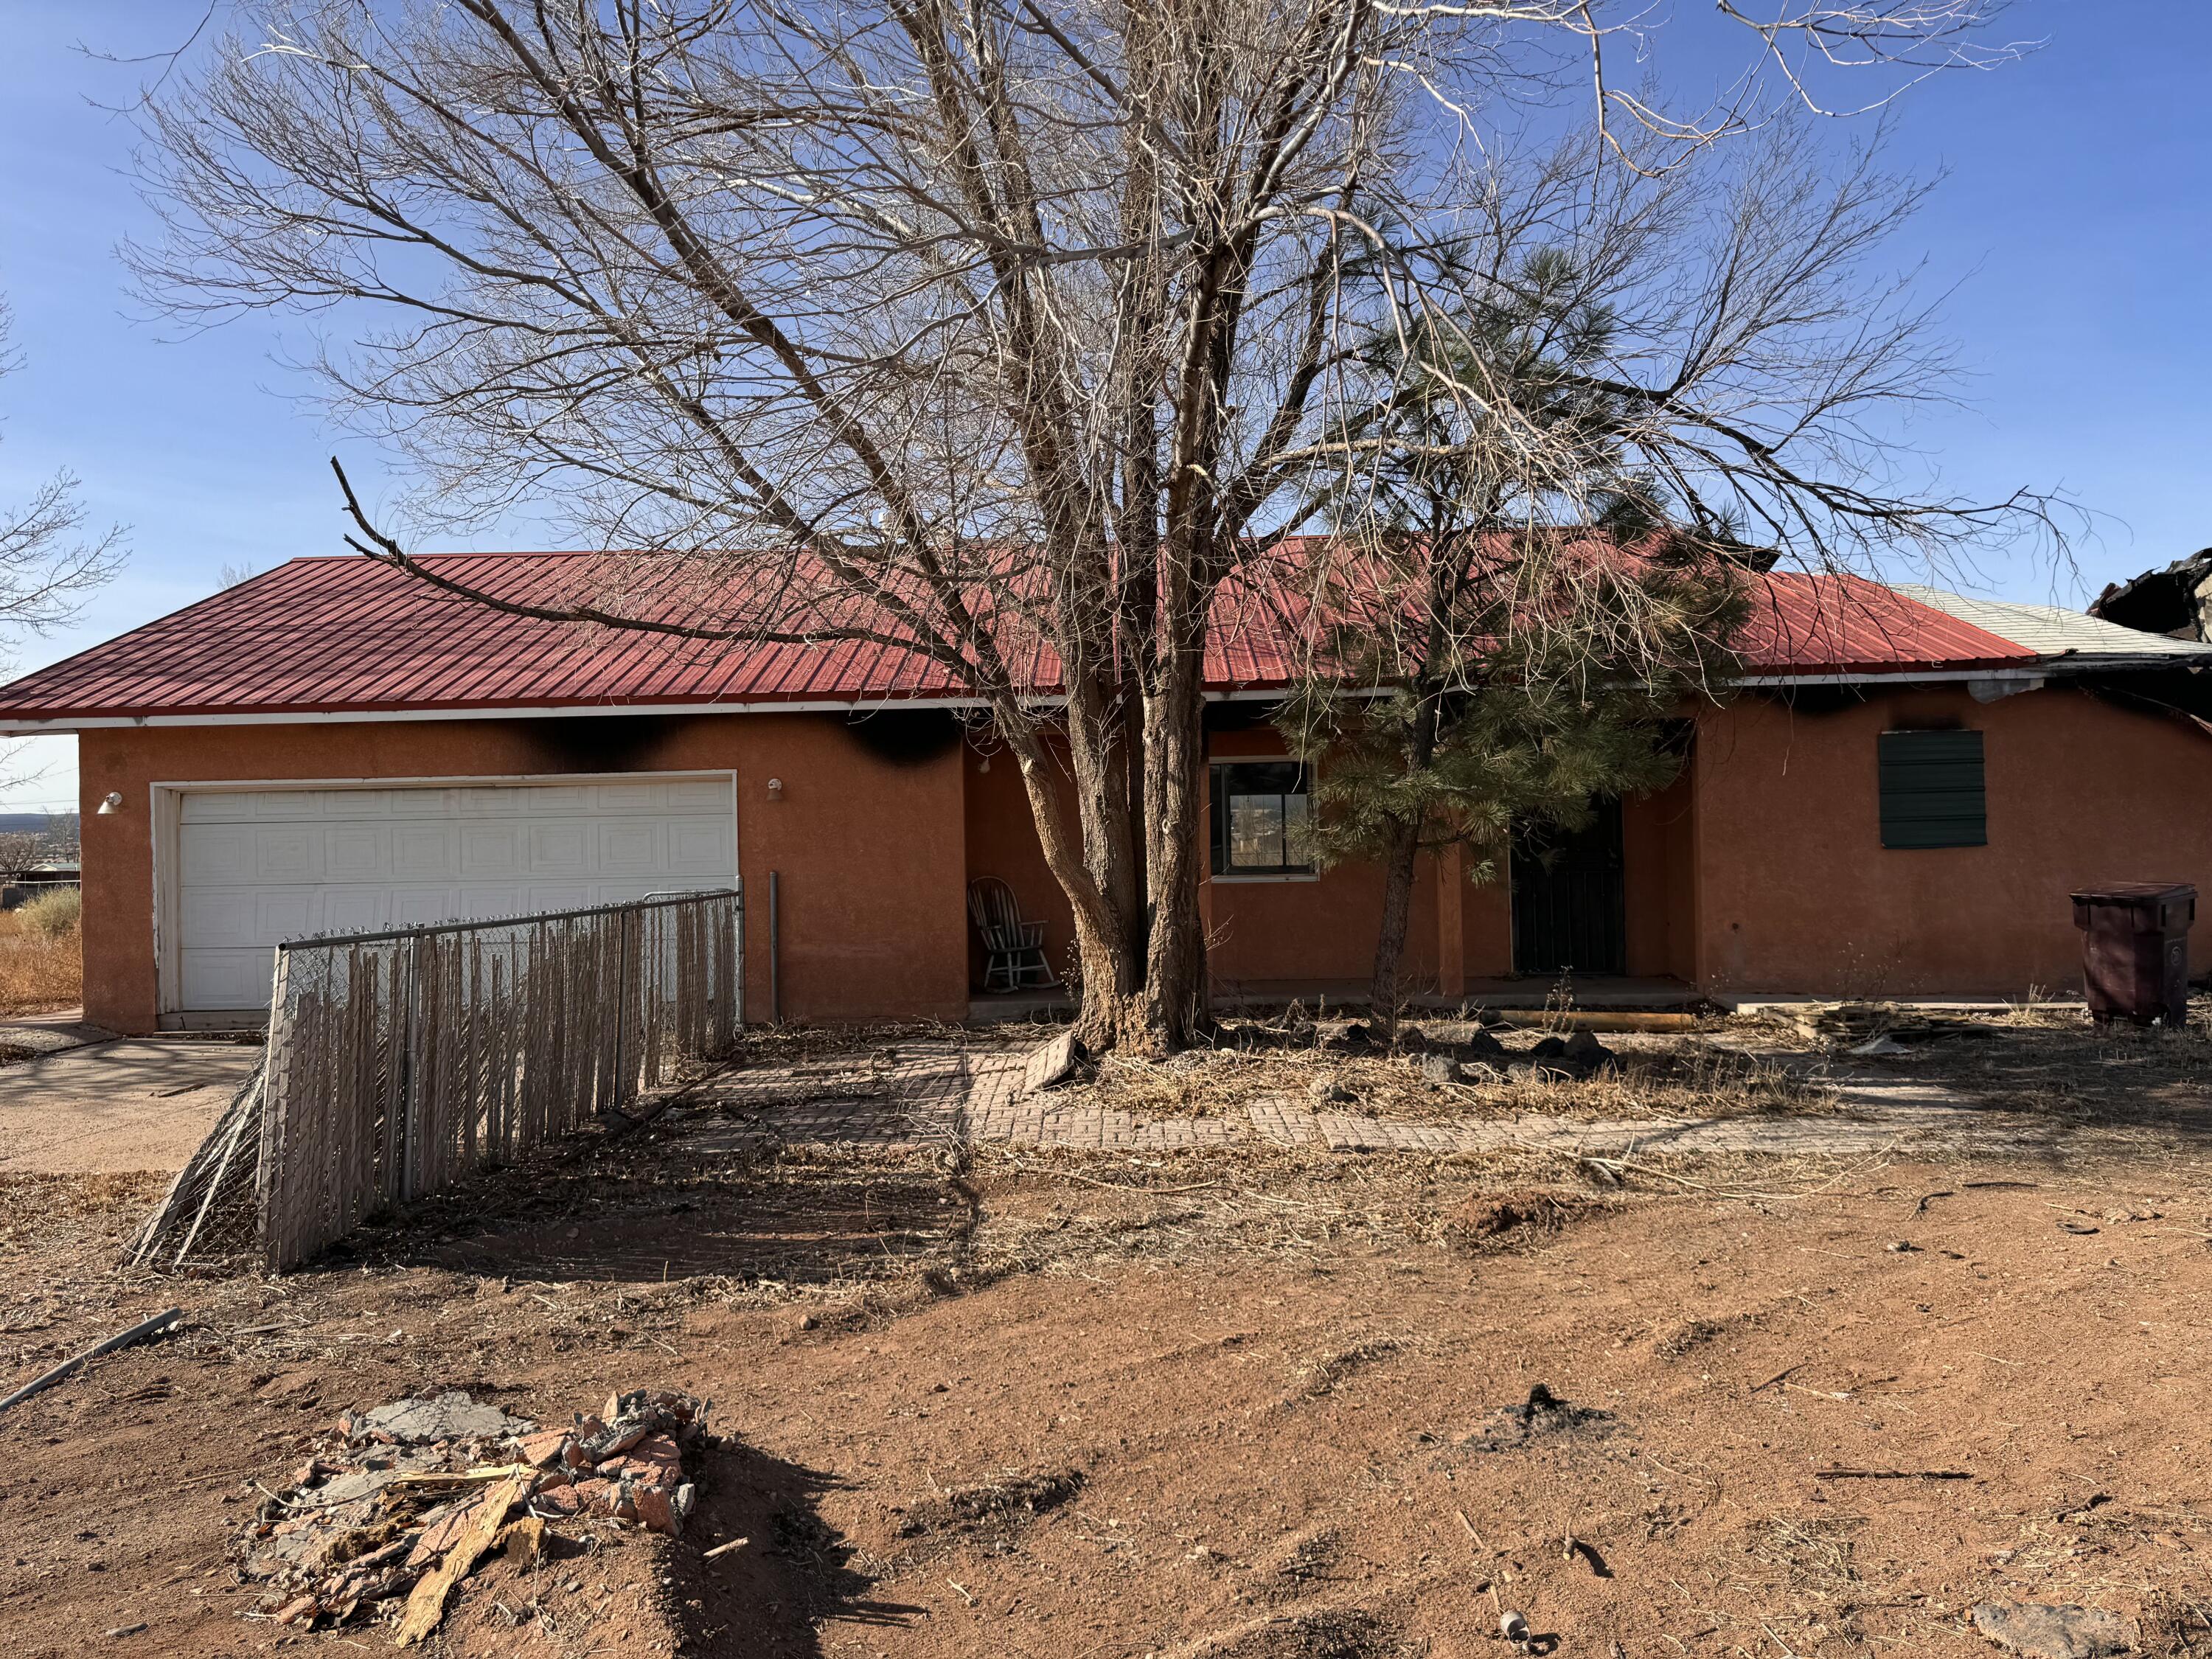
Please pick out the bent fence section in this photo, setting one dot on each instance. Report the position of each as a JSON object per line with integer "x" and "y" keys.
{"x": 399, "y": 1061}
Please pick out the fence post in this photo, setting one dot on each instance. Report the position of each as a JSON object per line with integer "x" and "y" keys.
{"x": 270, "y": 1195}
{"x": 411, "y": 1076}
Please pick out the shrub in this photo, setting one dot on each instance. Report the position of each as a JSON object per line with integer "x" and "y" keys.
{"x": 55, "y": 913}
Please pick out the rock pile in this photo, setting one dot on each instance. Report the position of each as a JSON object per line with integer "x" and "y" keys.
{"x": 410, "y": 1494}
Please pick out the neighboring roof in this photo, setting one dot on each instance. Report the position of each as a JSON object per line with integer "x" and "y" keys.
{"x": 2054, "y": 633}
{"x": 352, "y": 638}
{"x": 2176, "y": 600}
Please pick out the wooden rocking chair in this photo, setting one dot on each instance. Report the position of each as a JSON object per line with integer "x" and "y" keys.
{"x": 1014, "y": 949}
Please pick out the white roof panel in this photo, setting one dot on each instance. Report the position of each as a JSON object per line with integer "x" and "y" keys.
{"x": 2051, "y": 632}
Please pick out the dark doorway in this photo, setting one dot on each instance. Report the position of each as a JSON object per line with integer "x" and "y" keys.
{"x": 1570, "y": 909}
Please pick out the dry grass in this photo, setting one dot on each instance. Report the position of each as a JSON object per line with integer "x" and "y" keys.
{"x": 1656, "y": 1077}
{"x": 40, "y": 968}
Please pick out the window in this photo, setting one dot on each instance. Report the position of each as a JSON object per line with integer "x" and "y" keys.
{"x": 1260, "y": 819}
{"x": 1931, "y": 790}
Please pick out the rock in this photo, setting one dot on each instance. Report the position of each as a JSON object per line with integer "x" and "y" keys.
{"x": 655, "y": 1458}
{"x": 559, "y": 1501}
{"x": 2044, "y": 1631}
{"x": 1354, "y": 1038}
{"x": 1550, "y": 1048}
{"x": 1584, "y": 1051}
{"x": 1439, "y": 1069}
{"x": 543, "y": 1450}
{"x": 1053, "y": 1063}
{"x": 664, "y": 1408}
{"x": 452, "y": 1416}
{"x": 1329, "y": 1091}
{"x": 122, "y": 1631}
{"x": 1481, "y": 1046}
{"x": 590, "y": 1497}
{"x": 664, "y": 1509}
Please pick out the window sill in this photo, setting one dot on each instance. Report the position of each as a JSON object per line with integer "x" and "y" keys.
{"x": 1247, "y": 878}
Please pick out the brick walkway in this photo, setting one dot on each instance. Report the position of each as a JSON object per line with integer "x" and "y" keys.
{"x": 939, "y": 1092}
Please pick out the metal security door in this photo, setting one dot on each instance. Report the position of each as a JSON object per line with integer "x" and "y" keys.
{"x": 1570, "y": 907}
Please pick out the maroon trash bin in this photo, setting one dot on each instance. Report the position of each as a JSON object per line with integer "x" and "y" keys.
{"x": 2135, "y": 950}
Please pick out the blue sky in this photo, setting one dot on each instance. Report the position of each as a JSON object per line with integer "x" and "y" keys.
{"x": 2075, "y": 224}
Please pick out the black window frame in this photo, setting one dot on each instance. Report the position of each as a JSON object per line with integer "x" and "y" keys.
{"x": 1222, "y": 779}
{"x": 1932, "y": 789}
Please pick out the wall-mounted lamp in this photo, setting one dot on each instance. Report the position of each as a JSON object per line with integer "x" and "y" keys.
{"x": 776, "y": 788}
{"x": 109, "y": 804}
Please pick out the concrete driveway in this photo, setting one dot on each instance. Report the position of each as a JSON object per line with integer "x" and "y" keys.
{"x": 126, "y": 1103}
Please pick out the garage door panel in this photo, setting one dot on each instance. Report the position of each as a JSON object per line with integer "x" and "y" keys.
{"x": 286, "y": 805}
{"x": 703, "y": 795}
{"x": 287, "y": 912}
{"x": 226, "y": 979}
{"x": 218, "y": 915}
{"x": 559, "y": 895}
{"x": 632, "y": 846}
{"x": 287, "y": 851}
{"x": 216, "y": 806}
{"x": 626, "y": 797}
{"x": 357, "y": 852}
{"x": 256, "y": 867}
{"x": 422, "y": 803}
{"x": 215, "y": 853}
{"x": 425, "y": 852}
{"x": 492, "y": 852}
{"x": 700, "y": 846}
{"x": 355, "y": 911}
{"x": 559, "y": 849}
{"x": 424, "y": 907}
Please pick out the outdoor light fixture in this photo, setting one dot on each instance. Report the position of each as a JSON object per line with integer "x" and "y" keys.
{"x": 776, "y": 788}
{"x": 110, "y": 804}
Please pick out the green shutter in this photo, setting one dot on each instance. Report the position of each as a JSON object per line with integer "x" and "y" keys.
{"x": 1932, "y": 792}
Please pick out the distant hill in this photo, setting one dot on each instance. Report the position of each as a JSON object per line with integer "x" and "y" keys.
{"x": 61, "y": 823}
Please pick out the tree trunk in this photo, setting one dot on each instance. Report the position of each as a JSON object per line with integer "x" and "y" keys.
{"x": 1127, "y": 857}
{"x": 1174, "y": 1012}
{"x": 1390, "y": 943}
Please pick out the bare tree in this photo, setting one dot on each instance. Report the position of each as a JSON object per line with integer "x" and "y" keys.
{"x": 1004, "y": 333}
{"x": 49, "y": 560}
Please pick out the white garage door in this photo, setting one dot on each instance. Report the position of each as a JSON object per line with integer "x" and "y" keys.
{"x": 255, "y": 867}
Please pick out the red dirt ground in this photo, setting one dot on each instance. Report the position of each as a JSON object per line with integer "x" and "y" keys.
{"x": 1202, "y": 1408}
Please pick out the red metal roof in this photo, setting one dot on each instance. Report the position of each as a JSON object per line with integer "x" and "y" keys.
{"x": 351, "y": 635}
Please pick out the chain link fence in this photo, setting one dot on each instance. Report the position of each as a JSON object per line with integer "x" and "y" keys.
{"x": 398, "y": 1062}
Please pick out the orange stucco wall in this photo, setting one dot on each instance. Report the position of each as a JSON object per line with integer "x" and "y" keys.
{"x": 1002, "y": 843}
{"x": 1795, "y": 892}
{"x": 1658, "y": 840}
{"x": 869, "y": 851}
{"x": 1318, "y": 927}
{"x": 1760, "y": 870}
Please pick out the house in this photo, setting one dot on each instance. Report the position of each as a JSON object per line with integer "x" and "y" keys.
{"x": 1898, "y": 801}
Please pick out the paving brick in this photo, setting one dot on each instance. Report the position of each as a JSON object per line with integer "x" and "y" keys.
{"x": 942, "y": 1092}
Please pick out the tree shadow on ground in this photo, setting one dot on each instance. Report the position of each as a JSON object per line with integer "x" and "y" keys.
{"x": 641, "y": 1220}
{"x": 2060, "y": 1086}
{"x": 770, "y": 1597}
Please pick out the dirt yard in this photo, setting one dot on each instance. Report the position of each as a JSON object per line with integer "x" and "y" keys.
{"x": 1260, "y": 1403}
